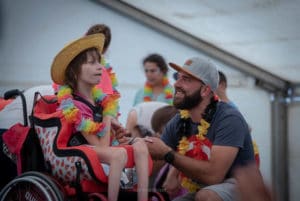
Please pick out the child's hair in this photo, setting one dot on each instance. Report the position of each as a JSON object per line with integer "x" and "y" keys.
{"x": 142, "y": 131}
{"x": 73, "y": 70}
{"x": 104, "y": 29}
{"x": 161, "y": 117}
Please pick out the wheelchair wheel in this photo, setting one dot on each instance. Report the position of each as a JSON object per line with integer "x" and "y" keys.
{"x": 48, "y": 182}
{"x": 29, "y": 187}
{"x": 97, "y": 197}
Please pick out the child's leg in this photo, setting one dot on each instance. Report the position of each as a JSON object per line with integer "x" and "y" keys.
{"x": 141, "y": 155}
{"x": 116, "y": 157}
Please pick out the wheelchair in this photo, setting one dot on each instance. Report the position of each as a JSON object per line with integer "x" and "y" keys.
{"x": 48, "y": 169}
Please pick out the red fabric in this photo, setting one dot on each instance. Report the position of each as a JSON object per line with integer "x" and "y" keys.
{"x": 14, "y": 138}
{"x": 42, "y": 107}
{"x": 257, "y": 160}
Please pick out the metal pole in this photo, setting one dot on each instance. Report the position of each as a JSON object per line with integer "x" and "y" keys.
{"x": 279, "y": 135}
{"x": 273, "y": 81}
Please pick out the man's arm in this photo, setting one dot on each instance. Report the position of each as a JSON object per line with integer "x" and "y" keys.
{"x": 208, "y": 172}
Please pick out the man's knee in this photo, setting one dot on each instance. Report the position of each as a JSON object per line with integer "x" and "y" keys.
{"x": 207, "y": 195}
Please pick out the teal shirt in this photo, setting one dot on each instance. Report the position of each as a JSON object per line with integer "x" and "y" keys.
{"x": 139, "y": 97}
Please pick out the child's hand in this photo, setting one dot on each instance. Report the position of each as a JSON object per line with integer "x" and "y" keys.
{"x": 123, "y": 140}
{"x": 118, "y": 129}
{"x": 172, "y": 184}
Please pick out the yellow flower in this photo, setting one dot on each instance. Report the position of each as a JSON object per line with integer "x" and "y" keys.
{"x": 189, "y": 185}
{"x": 183, "y": 145}
{"x": 202, "y": 131}
{"x": 184, "y": 114}
{"x": 255, "y": 147}
{"x": 204, "y": 124}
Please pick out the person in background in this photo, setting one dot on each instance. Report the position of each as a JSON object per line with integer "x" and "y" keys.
{"x": 222, "y": 89}
{"x": 161, "y": 117}
{"x": 222, "y": 94}
{"x": 159, "y": 120}
{"x": 157, "y": 86}
{"x": 76, "y": 69}
{"x": 207, "y": 140}
{"x": 139, "y": 117}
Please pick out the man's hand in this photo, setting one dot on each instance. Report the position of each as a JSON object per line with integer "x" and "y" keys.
{"x": 157, "y": 148}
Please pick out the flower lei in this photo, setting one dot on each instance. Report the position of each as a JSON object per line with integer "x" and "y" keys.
{"x": 73, "y": 115}
{"x": 256, "y": 153}
{"x": 168, "y": 91}
{"x": 197, "y": 147}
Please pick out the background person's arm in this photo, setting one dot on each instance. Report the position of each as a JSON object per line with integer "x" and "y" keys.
{"x": 250, "y": 184}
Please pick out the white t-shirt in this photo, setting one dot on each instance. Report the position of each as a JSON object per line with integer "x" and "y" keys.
{"x": 13, "y": 112}
{"x": 145, "y": 111}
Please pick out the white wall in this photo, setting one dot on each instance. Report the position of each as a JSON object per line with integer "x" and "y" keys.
{"x": 33, "y": 31}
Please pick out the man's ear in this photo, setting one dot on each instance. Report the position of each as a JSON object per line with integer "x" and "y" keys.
{"x": 205, "y": 91}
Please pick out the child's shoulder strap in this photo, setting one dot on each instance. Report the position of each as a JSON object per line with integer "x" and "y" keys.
{"x": 97, "y": 110}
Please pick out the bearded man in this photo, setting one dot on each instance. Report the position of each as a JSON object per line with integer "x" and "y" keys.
{"x": 206, "y": 140}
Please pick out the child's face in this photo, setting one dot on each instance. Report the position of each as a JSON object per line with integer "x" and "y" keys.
{"x": 91, "y": 70}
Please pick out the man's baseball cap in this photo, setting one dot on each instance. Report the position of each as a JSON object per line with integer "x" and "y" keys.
{"x": 202, "y": 69}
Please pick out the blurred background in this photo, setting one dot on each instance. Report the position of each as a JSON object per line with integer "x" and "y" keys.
{"x": 256, "y": 43}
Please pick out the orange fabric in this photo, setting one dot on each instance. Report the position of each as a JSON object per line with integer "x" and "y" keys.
{"x": 130, "y": 156}
{"x": 4, "y": 102}
{"x": 105, "y": 83}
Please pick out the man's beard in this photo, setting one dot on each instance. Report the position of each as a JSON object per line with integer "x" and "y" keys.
{"x": 188, "y": 102}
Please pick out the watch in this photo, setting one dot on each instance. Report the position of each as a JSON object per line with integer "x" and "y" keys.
{"x": 169, "y": 157}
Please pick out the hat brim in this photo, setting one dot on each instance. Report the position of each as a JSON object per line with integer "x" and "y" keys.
{"x": 70, "y": 51}
{"x": 181, "y": 69}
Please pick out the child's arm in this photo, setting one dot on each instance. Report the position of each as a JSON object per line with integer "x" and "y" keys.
{"x": 172, "y": 183}
{"x": 105, "y": 139}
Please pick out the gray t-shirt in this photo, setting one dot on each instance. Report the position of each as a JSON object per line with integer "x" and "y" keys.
{"x": 228, "y": 128}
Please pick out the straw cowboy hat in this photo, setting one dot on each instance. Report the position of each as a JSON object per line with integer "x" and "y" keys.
{"x": 70, "y": 51}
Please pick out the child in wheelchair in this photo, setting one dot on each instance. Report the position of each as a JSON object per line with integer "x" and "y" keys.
{"x": 76, "y": 68}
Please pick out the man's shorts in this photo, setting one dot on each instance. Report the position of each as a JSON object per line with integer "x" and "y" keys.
{"x": 225, "y": 190}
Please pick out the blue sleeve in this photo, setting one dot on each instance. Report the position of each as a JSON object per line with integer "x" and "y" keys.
{"x": 169, "y": 135}
{"x": 231, "y": 131}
